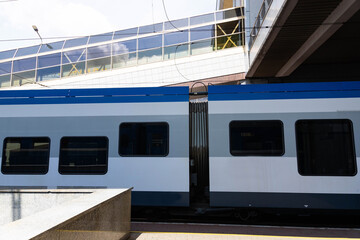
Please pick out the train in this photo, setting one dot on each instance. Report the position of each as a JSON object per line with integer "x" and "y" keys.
{"x": 276, "y": 146}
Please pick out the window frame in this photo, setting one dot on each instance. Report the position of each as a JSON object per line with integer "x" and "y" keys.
{"x": 167, "y": 133}
{"x": 259, "y": 154}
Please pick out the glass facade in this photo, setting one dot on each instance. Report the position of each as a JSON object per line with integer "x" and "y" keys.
{"x": 124, "y": 48}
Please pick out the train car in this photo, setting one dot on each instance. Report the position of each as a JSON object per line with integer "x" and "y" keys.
{"x": 102, "y": 138}
{"x": 293, "y": 146}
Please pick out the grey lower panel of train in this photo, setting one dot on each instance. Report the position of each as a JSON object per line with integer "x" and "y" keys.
{"x": 285, "y": 200}
{"x": 170, "y": 199}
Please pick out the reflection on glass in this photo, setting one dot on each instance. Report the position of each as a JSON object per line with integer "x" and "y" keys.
{"x": 24, "y": 64}
{"x": 7, "y": 54}
{"x": 19, "y": 79}
{"x": 124, "y": 60}
{"x": 98, "y": 65}
{"x": 5, "y": 81}
{"x": 48, "y": 74}
{"x": 124, "y": 47}
{"x": 5, "y": 68}
{"x": 27, "y": 51}
{"x": 132, "y": 32}
{"x": 99, "y": 51}
{"x": 73, "y": 69}
{"x": 202, "y": 47}
{"x": 74, "y": 56}
{"x": 49, "y": 60}
{"x": 150, "y": 42}
{"x": 150, "y": 56}
{"x": 202, "y": 32}
{"x": 202, "y": 19}
{"x": 76, "y": 42}
{"x": 228, "y": 14}
{"x": 228, "y": 41}
{"x": 176, "y": 38}
{"x": 176, "y": 24}
{"x": 101, "y": 37}
{"x": 151, "y": 28}
{"x": 176, "y": 51}
{"x": 51, "y": 46}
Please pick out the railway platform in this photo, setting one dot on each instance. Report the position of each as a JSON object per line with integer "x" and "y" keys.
{"x": 189, "y": 231}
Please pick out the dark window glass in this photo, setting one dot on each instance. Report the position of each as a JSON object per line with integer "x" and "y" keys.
{"x": 202, "y": 32}
{"x": 48, "y": 73}
{"x": 144, "y": 139}
{"x": 124, "y": 47}
{"x": 228, "y": 14}
{"x": 5, "y": 68}
{"x": 99, "y": 51}
{"x": 25, "y": 155}
{"x": 176, "y": 24}
{"x": 101, "y": 37}
{"x": 256, "y": 138}
{"x": 132, "y": 32}
{"x": 49, "y": 60}
{"x": 202, "y": 19}
{"x": 176, "y": 38}
{"x": 24, "y": 64}
{"x": 151, "y": 28}
{"x": 73, "y": 69}
{"x": 83, "y": 155}
{"x": 150, "y": 42}
{"x": 7, "y": 54}
{"x": 27, "y": 51}
{"x": 325, "y": 147}
{"x": 74, "y": 56}
{"x": 23, "y": 78}
{"x": 51, "y": 46}
{"x": 76, "y": 42}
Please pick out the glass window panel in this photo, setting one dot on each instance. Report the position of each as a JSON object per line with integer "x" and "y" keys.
{"x": 228, "y": 14}
{"x": 76, "y": 42}
{"x": 49, "y": 60}
{"x": 325, "y": 147}
{"x": 7, "y": 54}
{"x": 150, "y": 42}
{"x": 176, "y": 51}
{"x": 5, "y": 81}
{"x": 99, "y": 51}
{"x": 227, "y": 28}
{"x": 151, "y": 28}
{"x": 99, "y": 65}
{"x": 202, "y": 32}
{"x": 73, "y": 56}
{"x": 5, "y": 68}
{"x": 124, "y": 47}
{"x": 256, "y": 138}
{"x": 144, "y": 139}
{"x": 24, "y": 64}
{"x": 132, "y": 32}
{"x": 202, "y": 47}
{"x": 27, "y": 51}
{"x": 150, "y": 56}
{"x": 48, "y": 74}
{"x": 83, "y": 155}
{"x": 176, "y": 24}
{"x": 73, "y": 69}
{"x": 228, "y": 41}
{"x": 202, "y": 19}
{"x": 176, "y": 38}
{"x": 51, "y": 46}
{"x": 124, "y": 60}
{"x": 101, "y": 37}
{"x": 25, "y": 155}
{"x": 22, "y": 78}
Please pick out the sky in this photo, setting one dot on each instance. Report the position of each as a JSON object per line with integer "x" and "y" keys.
{"x": 71, "y": 18}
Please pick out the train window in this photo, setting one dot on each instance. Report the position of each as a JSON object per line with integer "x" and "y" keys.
{"x": 144, "y": 139}
{"x": 256, "y": 138}
{"x": 325, "y": 147}
{"x": 83, "y": 155}
{"x": 25, "y": 155}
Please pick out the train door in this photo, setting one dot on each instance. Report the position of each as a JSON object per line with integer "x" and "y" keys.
{"x": 199, "y": 154}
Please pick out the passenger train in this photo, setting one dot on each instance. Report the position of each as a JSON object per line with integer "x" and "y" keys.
{"x": 293, "y": 146}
